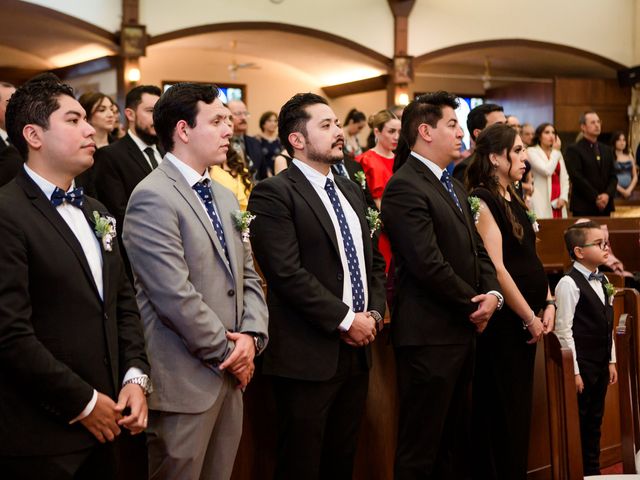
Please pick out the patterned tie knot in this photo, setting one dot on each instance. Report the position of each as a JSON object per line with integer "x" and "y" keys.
{"x": 328, "y": 186}
{"x": 74, "y": 197}
{"x": 596, "y": 276}
{"x": 203, "y": 188}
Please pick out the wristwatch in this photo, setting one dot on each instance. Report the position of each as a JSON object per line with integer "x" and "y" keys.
{"x": 552, "y": 302}
{"x": 378, "y": 319}
{"x": 144, "y": 382}
{"x": 258, "y": 342}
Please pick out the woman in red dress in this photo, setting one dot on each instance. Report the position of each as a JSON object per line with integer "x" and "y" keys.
{"x": 377, "y": 164}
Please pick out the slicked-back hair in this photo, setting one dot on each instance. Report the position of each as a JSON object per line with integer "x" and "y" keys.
{"x": 293, "y": 117}
{"x": 477, "y": 118}
{"x": 180, "y": 102}
{"x": 576, "y": 234}
{"x": 32, "y": 104}
{"x": 134, "y": 97}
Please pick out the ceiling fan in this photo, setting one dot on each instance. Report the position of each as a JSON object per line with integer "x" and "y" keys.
{"x": 234, "y": 66}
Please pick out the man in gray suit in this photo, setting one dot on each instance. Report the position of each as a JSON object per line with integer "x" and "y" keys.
{"x": 200, "y": 299}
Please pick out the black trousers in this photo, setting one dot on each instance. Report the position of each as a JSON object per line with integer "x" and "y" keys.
{"x": 434, "y": 386}
{"x": 591, "y": 410}
{"x": 98, "y": 463}
{"x": 318, "y": 422}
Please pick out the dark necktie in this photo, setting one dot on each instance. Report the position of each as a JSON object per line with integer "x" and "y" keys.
{"x": 340, "y": 169}
{"x": 596, "y": 276}
{"x": 75, "y": 197}
{"x": 357, "y": 289}
{"x": 448, "y": 184}
{"x": 203, "y": 189}
{"x": 152, "y": 157}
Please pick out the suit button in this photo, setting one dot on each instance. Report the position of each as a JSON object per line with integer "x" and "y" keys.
{"x": 105, "y": 360}
{"x": 231, "y": 293}
{"x": 340, "y": 276}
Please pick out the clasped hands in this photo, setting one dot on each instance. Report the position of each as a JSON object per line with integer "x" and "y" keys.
{"x": 362, "y": 331}
{"x": 240, "y": 362}
{"x": 602, "y": 200}
{"x": 487, "y": 304}
{"x": 107, "y": 417}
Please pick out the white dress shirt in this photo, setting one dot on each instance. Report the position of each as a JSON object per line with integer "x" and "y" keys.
{"x": 142, "y": 146}
{"x": 318, "y": 182}
{"x": 567, "y": 297}
{"x": 78, "y": 224}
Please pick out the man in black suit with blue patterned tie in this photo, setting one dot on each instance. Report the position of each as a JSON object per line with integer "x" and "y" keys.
{"x": 326, "y": 298}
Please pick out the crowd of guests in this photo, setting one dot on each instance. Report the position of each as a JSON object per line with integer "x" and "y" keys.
{"x": 186, "y": 199}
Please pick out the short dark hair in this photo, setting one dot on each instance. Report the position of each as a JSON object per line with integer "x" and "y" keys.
{"x": 266, "y": 116}
{"x": 33, "y": 103}
{"x": 89, "y": 100}
{"x": 355, "y": 116}
{"x": 134, "y": 97}
{"x": 583, "y": 116}
{"x": 294, "y": 117}
{"x": 180, "y": 102}
{"x": 477, "y": 118}
{"x": 575, "y": 235}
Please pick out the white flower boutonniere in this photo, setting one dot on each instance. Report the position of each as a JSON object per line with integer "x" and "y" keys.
{"x": 474, "y": 203}
{"x": 105, "y": 229}
{"x": 611, "y": 291}
{"x": 361, "y": 179}
{"x": 373, "y": 218}
{"x": 534, "y": 221}
{"x": 242, "y": 221}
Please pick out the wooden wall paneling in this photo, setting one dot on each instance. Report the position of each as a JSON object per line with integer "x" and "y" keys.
{"x": 530, "y": 102}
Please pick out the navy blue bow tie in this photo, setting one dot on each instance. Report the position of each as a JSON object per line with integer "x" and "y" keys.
{"x": 75, "y": 197}
{"x": 596, "y": 276}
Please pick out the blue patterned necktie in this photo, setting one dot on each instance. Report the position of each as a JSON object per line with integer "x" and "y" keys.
{"x": 75, "y": 197}
{"x": 596, "y": 276}
{"x": 203, "y": 189}
{"x": 448, "y": 184}
{"x": 357, "y": 289}
{"x": 340, "y": 169}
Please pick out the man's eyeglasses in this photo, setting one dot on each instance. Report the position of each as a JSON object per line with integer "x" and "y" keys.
{"x": 600, "y": 243}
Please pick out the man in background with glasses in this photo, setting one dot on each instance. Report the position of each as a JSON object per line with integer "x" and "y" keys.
{"x": 248, "y": 147}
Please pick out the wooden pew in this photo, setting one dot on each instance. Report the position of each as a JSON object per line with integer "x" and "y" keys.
{"x": 624, "y": 234}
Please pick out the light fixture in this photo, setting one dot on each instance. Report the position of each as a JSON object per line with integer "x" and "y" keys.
{"x": 133, "y": 75}
{"x": 403, "y": 99}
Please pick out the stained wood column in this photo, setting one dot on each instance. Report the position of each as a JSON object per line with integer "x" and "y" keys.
{"x": 402, "y": 68}
{"x": 133, "y": 41}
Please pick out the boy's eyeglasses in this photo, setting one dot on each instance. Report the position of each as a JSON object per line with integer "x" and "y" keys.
{"x": 600, "y": 243}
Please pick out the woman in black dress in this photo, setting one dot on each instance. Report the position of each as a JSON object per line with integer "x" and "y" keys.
{"x": 503, "y": 383}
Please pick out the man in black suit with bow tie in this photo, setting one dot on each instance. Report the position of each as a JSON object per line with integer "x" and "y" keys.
{"x": 326, "y": 296}
{"x": 10, "y": 159}
{"x": 119, "y": 167}
{"x": 73, "y": 368}
{"x": 446, "y": 291}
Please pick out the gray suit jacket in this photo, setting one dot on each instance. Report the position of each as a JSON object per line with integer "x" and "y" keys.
{"x": 187, "y": 295}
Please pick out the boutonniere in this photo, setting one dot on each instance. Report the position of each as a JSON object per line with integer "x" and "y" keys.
{"x": 242, "y": 221}
{"x": 373, "y": 218}
{"x": 474, "y": 203}
{"x": 611, "y": 291}
{"x": 534, "y": 221}
{"x": 361, "y": 179}
{"x": 105, "y": 229}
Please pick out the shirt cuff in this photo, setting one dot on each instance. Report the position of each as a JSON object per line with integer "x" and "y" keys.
{"x": 133, "y": 372}
{"x": 88, "y": 409}
{"x": 346, "y": 323}
{"x": 500, "y": 298}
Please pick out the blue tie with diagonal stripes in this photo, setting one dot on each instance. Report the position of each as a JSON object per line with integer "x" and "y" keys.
{"x": 357, "y": 288}
{"x": 203, "y": 189}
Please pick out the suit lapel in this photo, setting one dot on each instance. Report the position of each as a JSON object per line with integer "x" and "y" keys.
{"x": 180, "y": 184}
{"x": 137, "y": 155}
{"x": 42, "y": 203}
{"x": 88, "y": 214}
{"x": 307, "y": 192}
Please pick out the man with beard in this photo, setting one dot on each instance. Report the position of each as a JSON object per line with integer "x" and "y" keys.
{"x": 248, "y": 147}
{"x": 326, "y": 298}
{"x": 123, "y": 164}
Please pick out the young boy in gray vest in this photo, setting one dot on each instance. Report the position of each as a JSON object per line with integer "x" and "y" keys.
{"x": 584, "y": 323}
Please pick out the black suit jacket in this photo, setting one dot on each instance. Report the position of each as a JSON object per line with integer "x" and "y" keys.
{"x": 441, "y": 262}
{"x": 10, "y": 162}
{"x": 253, "y": 149}
{"x": 354, "y": 168}
{"x": 590, "y": 177}
{"x": 296, "y": 247}
{"x": 119, "y": 167}
{"x": 58, "y": 339}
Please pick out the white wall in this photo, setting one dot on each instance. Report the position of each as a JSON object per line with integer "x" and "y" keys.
{"x": 106, "y": 14}
{"x": 105, "y": 82}
{"x": 368, "y": 22}
{"x": 602, "y": 27}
